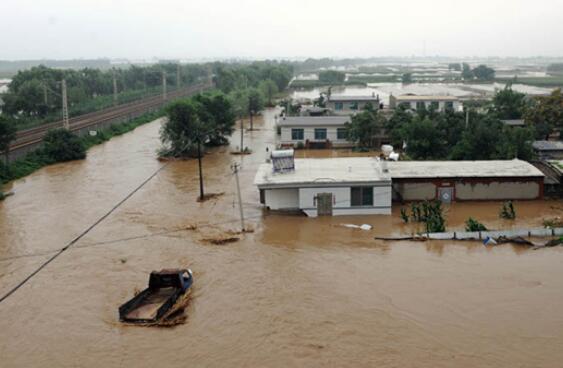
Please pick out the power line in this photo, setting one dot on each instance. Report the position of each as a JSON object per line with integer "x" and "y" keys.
{"x": 62, "y": 250}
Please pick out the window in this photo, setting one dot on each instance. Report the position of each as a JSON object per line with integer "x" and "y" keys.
{"x": 361, "y": 196}
{"x": 320, "y": 133}
{"x": 449, "y": 105}
{"x": 297, "y": 134}
{"x": 341, "y": 133}
{"x": 353, "y": 106}
{"x": 420, "y": 105}
{"x": 435, "y": 105}
{"x": 338, "y": 106}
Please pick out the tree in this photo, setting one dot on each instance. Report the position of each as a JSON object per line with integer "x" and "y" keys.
{"x": 467, "y": 73}
{"x": 185, "y": 132}
{"x": 332, "y": 77}
{"x": 269, "y": 89}
{"x": 217, "y": 111}
{"x": 255, "y": 104}
{"x": 484, "y": 73}
{"x": 365, "y": 127}
{"x": 455, "y": 66}
{"x": 61, "y": 145}
{"x": 407, "y": 78}
{"x": 479, "y": 141}
{"x": 7, "y": 135}
{"x": 546, "y": 113}
{"x": 183, "y": 129}
{"x": 509, "y": 104}
{"x": 424, "y": 140}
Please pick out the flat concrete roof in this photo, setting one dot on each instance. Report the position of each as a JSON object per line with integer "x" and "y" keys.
{"x": 352, "y": 170}
{"x": 426, "y": 98}
{"x": 353, "y": 98}
{"x": 462, "y": 169}
{"x": 548, "y": 145}
{"x": 302, "y": 121}
{"x": 322, "y": 172}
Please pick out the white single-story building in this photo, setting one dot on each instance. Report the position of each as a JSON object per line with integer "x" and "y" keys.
{"x": 311, "y": 131}
{"x": 414, "y": 102}
{"x": 367, "y": 185}
{"x": 340, "y": 186}
{"x": 347, "y": 105}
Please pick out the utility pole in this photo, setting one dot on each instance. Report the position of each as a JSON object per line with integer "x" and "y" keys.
{"x": 201, "y": 195}
{"x": 241, "y": 135}
{"x": 235, "y": 167}
{"x": 163, "y": 85}
{"x": 467, "y": 118}
{"x": 66, "y": 123}
{"x": 45, "y": 94}
{"x": 178, "y": 80}
{"x": 114, "y": 88}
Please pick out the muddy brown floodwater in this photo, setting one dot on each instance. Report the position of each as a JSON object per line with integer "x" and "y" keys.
{"x": 295, "y": 292}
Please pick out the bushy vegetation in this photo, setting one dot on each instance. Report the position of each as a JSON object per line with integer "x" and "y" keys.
{"x": 332, "y": 77}
{"x": 432, "y": 135}
{"x": 203, "y": 119}
{"x": 365, "y": 127}
{"x": 507, "y": 211}
{"x": 62, "y": 145}
{"x": 473, "y": 225}
{"x": 428, "y": 212}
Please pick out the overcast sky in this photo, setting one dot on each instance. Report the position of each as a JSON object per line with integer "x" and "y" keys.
{"x": 141, "y": 29}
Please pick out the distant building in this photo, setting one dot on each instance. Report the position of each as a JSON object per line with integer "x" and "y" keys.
{"x": 347, "y": 105}
{"x": 366, "y": 185}
{"x": 548, "y": 150}
{"x": 514, "y": 122}
{"x": 414, "y": 102}
{"x": 313, "y": 131}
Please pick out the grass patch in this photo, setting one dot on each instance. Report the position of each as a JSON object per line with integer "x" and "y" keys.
{"x": 39, "y": 158}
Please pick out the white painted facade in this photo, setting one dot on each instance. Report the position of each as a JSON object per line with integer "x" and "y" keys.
{"x": 298, "y": 190}
{"x": 303, "y": 129}
{"x": 442, "y": 103}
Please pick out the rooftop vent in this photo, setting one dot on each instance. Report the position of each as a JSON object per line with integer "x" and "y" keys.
{"x": 283, "y": 160}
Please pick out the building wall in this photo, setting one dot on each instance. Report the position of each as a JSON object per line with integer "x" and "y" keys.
{"x": 417, "y": 191}
{"x": 497, "y": 190}
{"x": 309, "y": 134}
{"x": 394, "y": 103}
{"x": 341, "y": 201}
{"x": 346, "y": 110}
{"x": 475, "y": 189}
{"x": 282, "y": 199}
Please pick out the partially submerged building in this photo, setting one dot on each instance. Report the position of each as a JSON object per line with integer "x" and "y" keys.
{"x": 415, "y": 102}
{"x": 347, "y": 105}
{"x": 343, "y": 186}
{"x": 313, "y": 131}
{"x": 465, "y": 180}
{"x": 366, "y": 185}
{"x": 548, "y": 150}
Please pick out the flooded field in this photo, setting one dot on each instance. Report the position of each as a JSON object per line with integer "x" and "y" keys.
{"x": 295, "y": 292}
{"x": 452, "y": 89}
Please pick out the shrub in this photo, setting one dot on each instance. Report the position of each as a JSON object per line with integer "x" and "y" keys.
{"x": 507, "y": 211}
{"x": 473, "y": 225}
{"x": 404, "y": 215}
{"x": 61, "y": 145}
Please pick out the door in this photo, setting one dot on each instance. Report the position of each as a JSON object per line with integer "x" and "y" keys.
{"x": 446, "y": 194}
{"x": 324, "y": 204}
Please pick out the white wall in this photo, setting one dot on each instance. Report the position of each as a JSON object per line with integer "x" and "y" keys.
{"x": 282, "y": 199}
{"x": 309, "y": 134}
{"x": 303, "y": 198}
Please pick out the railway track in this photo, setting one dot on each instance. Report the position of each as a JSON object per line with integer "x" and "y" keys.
{"x": 35, "y": 135}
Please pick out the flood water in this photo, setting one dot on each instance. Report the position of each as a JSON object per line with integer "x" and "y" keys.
{"x": 296, "y": 292}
